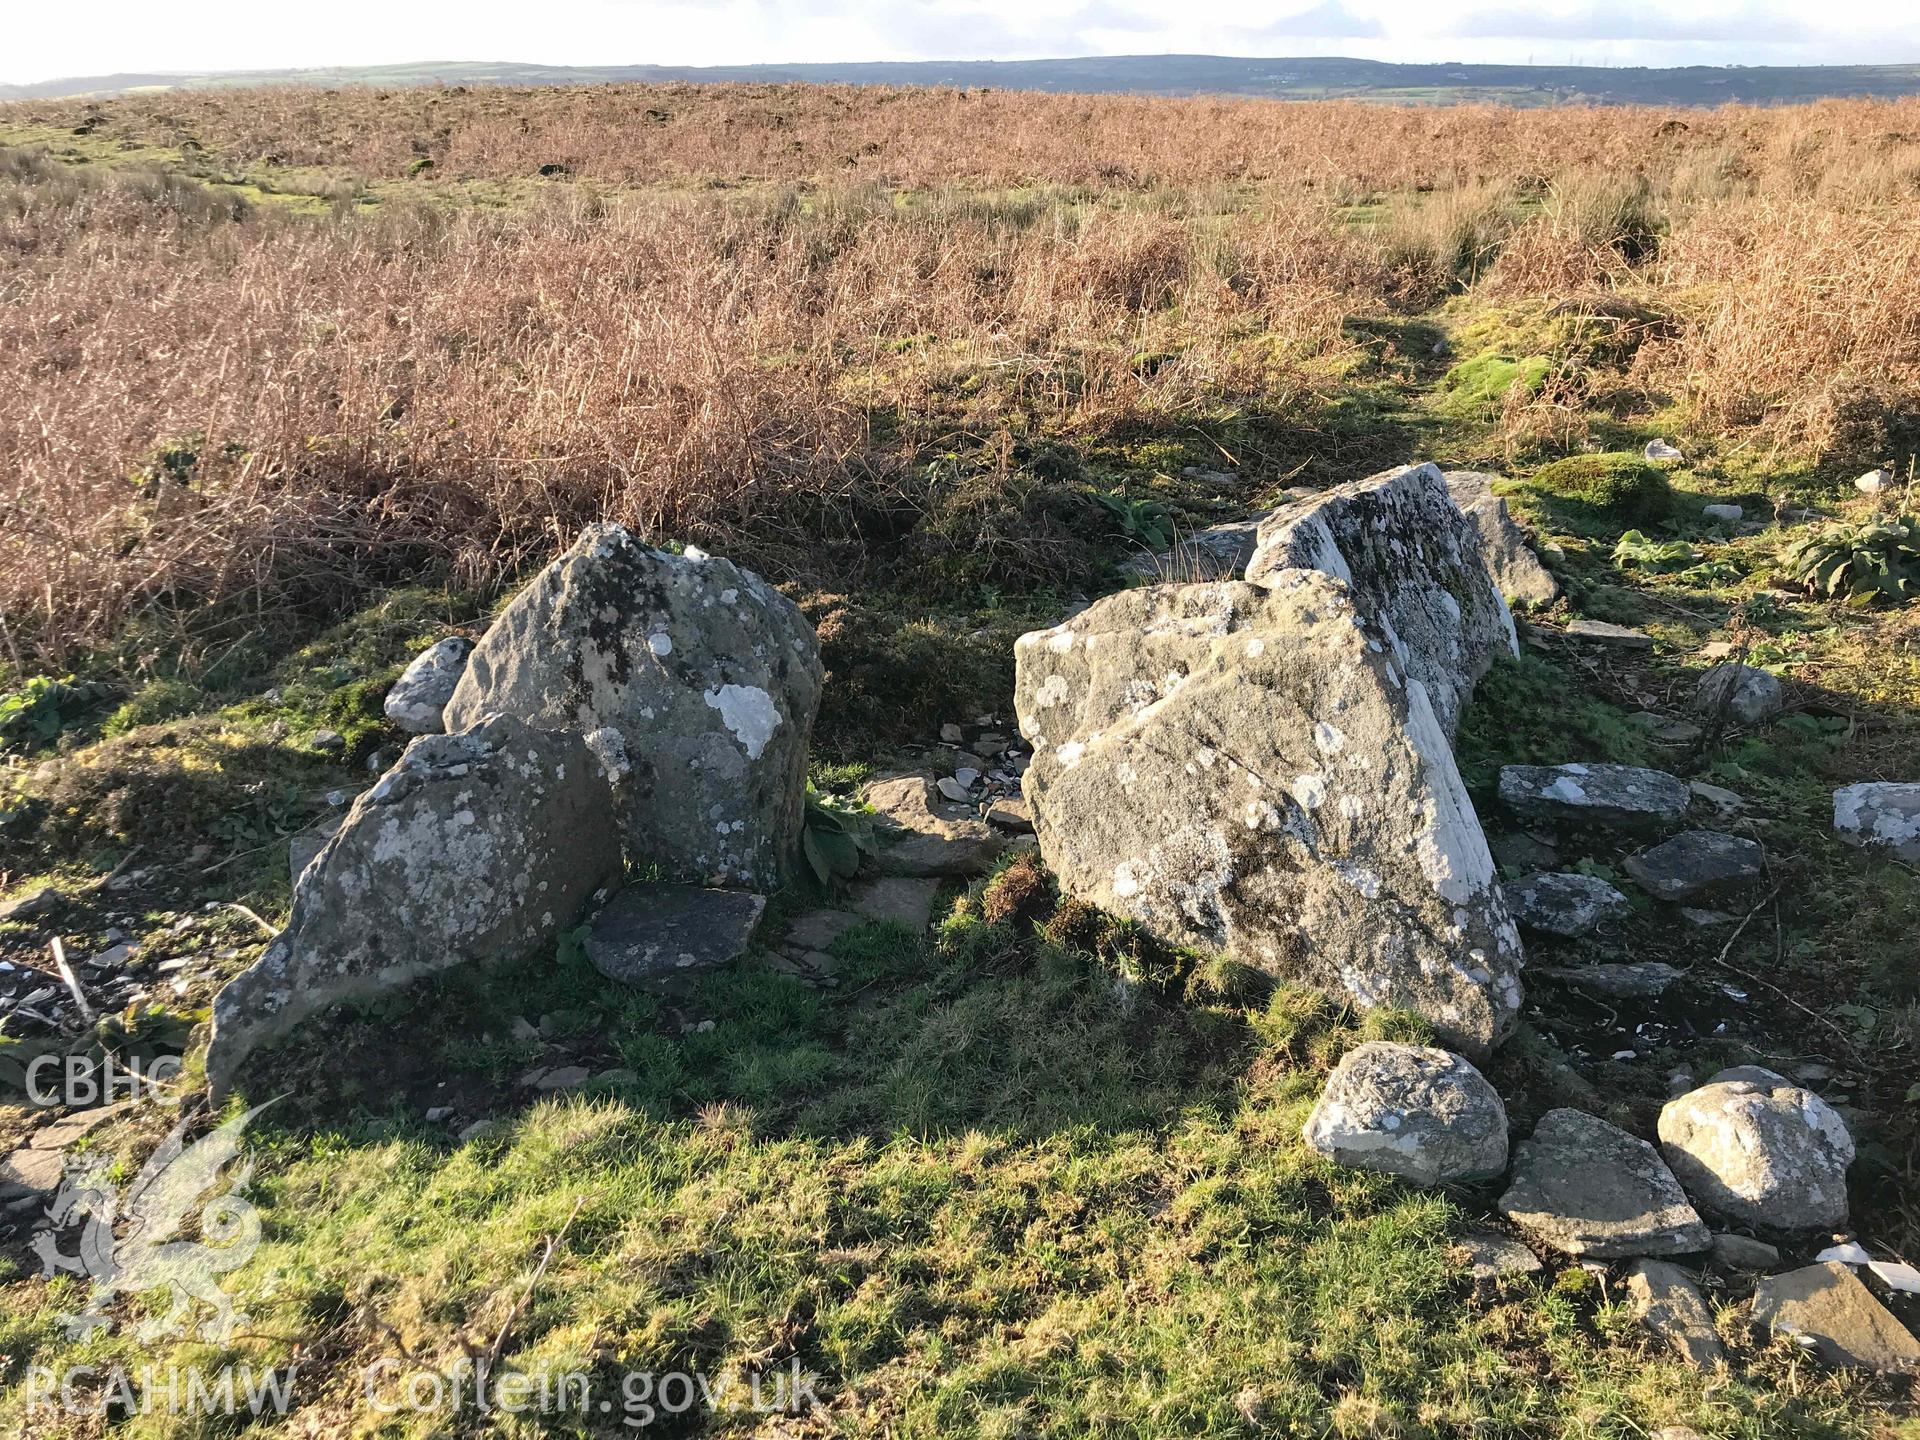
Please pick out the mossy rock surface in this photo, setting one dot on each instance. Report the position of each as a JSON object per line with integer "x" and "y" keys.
{"x": 1619, "y": 484}
{"x": 1486, "y": 379}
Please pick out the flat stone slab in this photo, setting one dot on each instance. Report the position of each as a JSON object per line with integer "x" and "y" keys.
{"x": 923, "y": 834}
{"x": 1589, "y": 1189}
{"x": 1410, "y": 1110}
{"x": 1837, "y": 1317}
{"x": 1491, "y": 1257}
{"x": 1668, "y": 1303}
{"x": 647, "y": 931}
{"x": 1624, "y": 796}
{"x": 1743, "y": 1252}
{"x": 1697, "y": 865}
{"x": 30, "y": 1171}
{"x": 1564, "y": 903}
{"x": 818, "y": 929}
{"x": 1628, "y": 980}
{"x": 1603, "y": 632}
{"x": 896, "y": 900}
{"x": 1879, "y": 813}
{"x": 23, "y": 907}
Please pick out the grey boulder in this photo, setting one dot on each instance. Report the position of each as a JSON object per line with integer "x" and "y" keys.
{"x": 1760, "y": 1150}
{"x": 1750, "y": 696}
{"x": 695, "y": 683}
{"x": 1246, "y": 769}
{"x": 1517, "y": 572}
{"x": 1880, "y": 813}
{"x": 1413, "y": 1111}
{"x": 1414, "y": 565}
{"x": 1567, "y": 904}
{"x": 480, "y": 845}
{"x": 417, "y": 703}
{"x": 1697, "y": 865}
{"x": 1589, "y": 1189}
{"x": 1623, "y": 796}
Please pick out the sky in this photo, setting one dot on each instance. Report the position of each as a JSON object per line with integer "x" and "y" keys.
{"x": 42, "y": 42}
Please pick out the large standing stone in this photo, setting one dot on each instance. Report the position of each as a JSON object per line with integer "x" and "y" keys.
{"x": 417, "y": 703}
{"x": 475, "y": 846}
{"x": 1517, "y": 572}
{"x": 1697, "y": 865}
{"x": 1880, "y": 813}
{"x": 1827, "y": 1307}
{"x": 1754, "y": 1147}
{"x": 1413, "y": 563}
{"x": 1599, "y": 794}
{"x": 1588, "y": 1188}
{"x": 1668, "y": 1303}
{"x": 1247, "y": 769}
{"x": 1564, "y": 903}
{"x": 1410, "y": 1110}
{"x": 693, "y": 680}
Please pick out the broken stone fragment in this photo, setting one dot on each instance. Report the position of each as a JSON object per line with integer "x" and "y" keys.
{"x": 1517, "y": 572}
{"x": 647, "y": 932}
{"x": 1567, "y": 904}
{"x": 1605, "y": 632}
{"x": 1589, "y": 1189}
{"x": 695, "y": 683}
{"x": 1697, "y": 865}
{"x": 1836, "y": 1317}
{"x": 1413, "y": 1111}
{"x": 1623, "y": 796}
{"x": 1754, "y": 1147}
{"x": 1666, "y": 1301}
{"x": 1247, "y": 769}
{"x": 1491, "y": 1258}
{"x": 1879, "y": 813}
{"x": 1414, "y": 566}
{"x": 480, "y": 845}
{"x": 1743, "y": 1252}
{"x": 1627, "y": 980}
{"x": 923, "y": 833}
{"x": 417, "y": 703}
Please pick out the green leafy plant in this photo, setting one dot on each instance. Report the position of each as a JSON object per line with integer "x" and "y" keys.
{"x": 1145, "y": 522}
{"x": 835, "y": 837}
{"x": 1637, "y": 551}
{"x": 36, "y": 713}
{"x": 1860, "y": 563}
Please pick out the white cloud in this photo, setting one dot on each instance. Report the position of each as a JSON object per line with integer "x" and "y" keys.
{"x": 198, "y": 35}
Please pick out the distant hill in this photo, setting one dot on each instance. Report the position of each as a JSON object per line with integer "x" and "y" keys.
{"x": 1309, "y": 78}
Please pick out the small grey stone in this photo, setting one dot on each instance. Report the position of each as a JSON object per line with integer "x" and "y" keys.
{"x": 952, "y": 733}
{"x": 417, "y": 702}
{"x": 1751, "y": 696}
{"x": 30, "y": 1171}
{"x": 524, "y": 1029}
{"x": 1011, "y": 813}
{"x": 327, "y": 742}
{"x": 967, "y": 776}
{"x": 1718, "y": 796}
{"x": 436, "y": 1113}
{"x": 1732, "y": 514}
{"x": 1220, "y": 552}
{"x": 648, "y": 931}
{"x": 1754, "y": 1147}
{"x": 818, "y": 929}
{"x": 1598, "y": 794}
{"x": 480, "y": 1130}
{"x": 1410, "y": 1110}
{"x": 1634, "y": 980}
{"x": 1874, "y": 482}
{"x": 1589, "y": 1189}
{"x": 1668, "y": 729}
{"x": 1667, "y": 1302}
{"x": 1516, "y": 571}
{"x": 1492, "y": 1258}
{"x": 304, "y": 844}
{"x": 563, "y": 1077}
{"x": 1837, "y": 1316}
{"x": 1603, "y": 632}
{"x": 1880, "y": 813}
{"x": 1521, "y": 853}
{"x": 1697, "y": 865}
{"x": 1743, "y": 1252}
{"x": 1567, "y": 904}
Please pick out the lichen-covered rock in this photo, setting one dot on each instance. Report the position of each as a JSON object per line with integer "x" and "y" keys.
{"x": 1413, "y": 1111}
{"x": 1414, "y": 565}
{"x": 417, "y": 703}
{"x": 1566, "y": 903}
{"x": 1750, "y": 696}
{"x": 1756, "y": 1148}
{"x": 1626, "y": 980}
{"x": 1623, "y": 796}
{"x": 1588, "y": 1188}
{"x": 1248, "y": 769}
{"x": 693, "y": 680}
{"x": 1880, "y": 813}
{"x": 479, "y": 845}
{"x": 1697, "y": 865}
{"x": 1517, "y": 572}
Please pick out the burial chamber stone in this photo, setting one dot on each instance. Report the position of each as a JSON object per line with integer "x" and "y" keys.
{"x": 1249, "y": 769}
{"x": 693, "y": 680}
{"x": 479, "y": 845}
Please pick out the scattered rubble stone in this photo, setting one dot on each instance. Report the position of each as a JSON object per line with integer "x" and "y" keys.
{"x": 1589, "y": 1189}
{"x": 417, "y": 703}
{"x": 1697, "y": 865}
{"x": 1598, "y": 794}
{"x": 896, "y": 899}
{"x": 1491, "y": 1257}
{"x": 1220, "y": 552}
{"x": 1836, "y": 1316}
{"x": 1668, "y": 1303}
{"x": 1668, "y": 729}
{"x": 923, "y": 835}
{"x": 1751, "y": 696}
{"x": 648, "y": 931}
{"x": 1718, "y": 796}
{"x": 1564, "y": 903}
{"x": 1874, "y": 482}
{"x": 1012, "y": 814}
{"x": 23, "y": 907}
{"x": 1754, "y": 1147}
{"x": 1413, "y": 1111}
{"x": 1732, "y": 514}
{"x": 1880, "y": 813}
